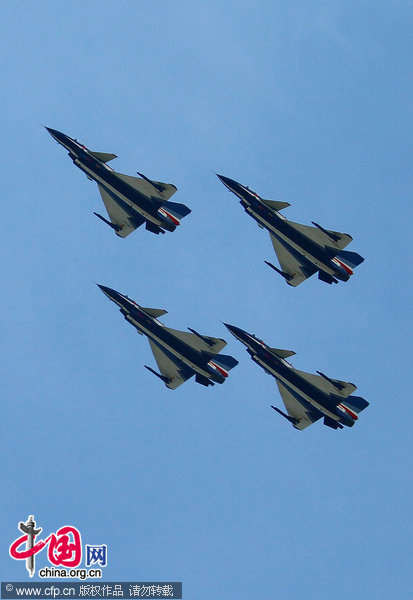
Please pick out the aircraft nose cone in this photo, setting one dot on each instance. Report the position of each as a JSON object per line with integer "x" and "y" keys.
{"x": 103, "y": 288}
{"x": 57, "y": 135}
{"x": 225, "y": 180}
{"x": 109, "y": 292}
{"x": 231, "y": 184}
{"x": 236, "y": 331}
{"x": 52, "y": 132}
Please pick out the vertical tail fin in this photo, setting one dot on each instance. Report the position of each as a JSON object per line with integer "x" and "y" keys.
{"x": 355, "y": 403}
{"x": 224, "y": 361}
{"x": 177, "y": 210}
{"x": 351, "y": 259}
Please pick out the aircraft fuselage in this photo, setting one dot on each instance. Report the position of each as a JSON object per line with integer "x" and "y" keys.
{"x": 322, "y": 257}
{"x": 131, "y": 200}
{"x": 285, "y": 373}
{"x": 197, "y": 361}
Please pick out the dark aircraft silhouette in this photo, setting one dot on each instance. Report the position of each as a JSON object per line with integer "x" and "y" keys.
{"x": 301, "y": 250}
{"x": 129, "y": 201}
{"x": 179, "y": 354}
{"x": 307, "y": 397}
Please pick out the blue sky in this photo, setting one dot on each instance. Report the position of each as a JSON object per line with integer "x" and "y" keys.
{"x": 303, "y": 101}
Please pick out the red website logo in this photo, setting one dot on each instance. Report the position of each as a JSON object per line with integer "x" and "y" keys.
{"x": 64, "y": 546}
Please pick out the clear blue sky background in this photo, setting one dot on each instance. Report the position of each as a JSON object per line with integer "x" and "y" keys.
{"x": 304, "y": 101}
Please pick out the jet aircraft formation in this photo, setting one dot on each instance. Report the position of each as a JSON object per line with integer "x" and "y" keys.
{"x": 302, "y": 251}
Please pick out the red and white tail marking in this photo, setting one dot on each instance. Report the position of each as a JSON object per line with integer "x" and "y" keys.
{"x": 343, "y": 266}
{"x": 218, "y": 368}
{"x": 350, "y": 412}
{"x": 169, "y": 216}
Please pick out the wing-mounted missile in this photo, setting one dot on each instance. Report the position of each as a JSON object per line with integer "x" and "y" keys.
{"x": 113, "y": 225}
{"x": 206, "y": 340}
{"x": 283, "y": 414}
{"x": 158, "y": 187}
{"x": 162, "y": 377}
{"x": 287, "y": 276}
{"x": 330, "y": 234}
{"x": 339, "y": 386}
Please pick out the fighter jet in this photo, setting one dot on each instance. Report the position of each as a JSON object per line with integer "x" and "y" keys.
{"x": 129, "y": 201}
{"x": 179, "y": 354}
{"x": 306, "y": 397}
{"x": 301, "y": 250}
